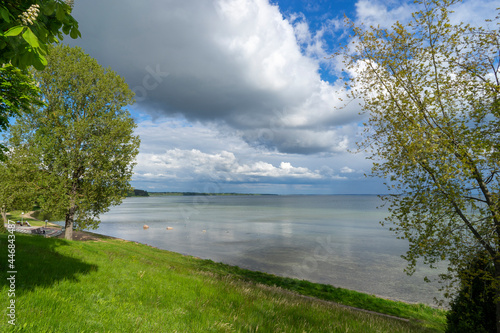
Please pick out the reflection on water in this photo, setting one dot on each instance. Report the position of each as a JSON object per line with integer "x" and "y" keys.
{"x": 328, "y": 239}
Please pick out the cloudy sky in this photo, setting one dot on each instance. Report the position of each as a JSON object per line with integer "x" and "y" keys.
{"x": 240, "y": 95}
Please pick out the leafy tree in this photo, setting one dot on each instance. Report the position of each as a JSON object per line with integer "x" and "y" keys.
{"x": 17, "y": 182}
{"x": 17, "y": 92}
{"x": 431, "y": 90}
{"x": 27, "y": 27}
{"x": 82, "y": 141}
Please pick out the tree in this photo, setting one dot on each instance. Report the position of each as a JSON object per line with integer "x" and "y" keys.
{"x": 17, "y": 182}
{"x": 431, "y": 91}
{"x": 17, "y": 91}
{"x": 81, "y": 141}
{"x": 27, "y": 28}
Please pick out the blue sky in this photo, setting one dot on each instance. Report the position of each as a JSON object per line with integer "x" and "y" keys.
{"x": 241, "y": 95}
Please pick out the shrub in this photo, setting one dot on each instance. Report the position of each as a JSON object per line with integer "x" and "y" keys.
{"x": 473, "y": 309}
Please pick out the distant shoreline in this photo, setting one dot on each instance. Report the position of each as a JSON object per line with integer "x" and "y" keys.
{"x": 143, "y": 193}
{"x": 200, "y": 194}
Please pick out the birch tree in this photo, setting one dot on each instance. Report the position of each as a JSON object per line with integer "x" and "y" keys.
{"x": 431, "y": 90}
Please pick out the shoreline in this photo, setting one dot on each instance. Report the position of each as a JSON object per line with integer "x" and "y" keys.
{"x": 393, "y": 289}
{"x": 98, "y": 261}
{"x": 85, "y": 235}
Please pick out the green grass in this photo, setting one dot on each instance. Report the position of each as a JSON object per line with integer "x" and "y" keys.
{"x": 16, "y": 216}
{"x": 117, "y": 286}
{"x": 431, "y": 316}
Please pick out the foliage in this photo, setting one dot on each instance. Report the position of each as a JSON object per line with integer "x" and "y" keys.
{"x": 431, "y": 89}
{"x": 81, "y": 141}
{"x": 17, "y": 183}
{"x": 17, "y": 92}
{"x": 473, "y": 309}
{"x": 137, "y": 193}
{"x": 27, "y": 27}
{"x": 45, "y": 216}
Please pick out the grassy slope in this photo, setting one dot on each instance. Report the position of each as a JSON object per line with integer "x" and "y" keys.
{"x": 117, "y": 286}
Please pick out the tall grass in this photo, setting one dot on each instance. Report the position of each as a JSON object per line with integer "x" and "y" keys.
{"x": 117, "y": 286}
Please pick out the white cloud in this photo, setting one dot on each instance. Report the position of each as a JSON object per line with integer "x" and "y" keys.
{"x": 313, "y": 44}
{"x": 285, "y": 169}
{"x": 301, "y": 28}
{"x": 383, "y": 13}
{"x": 475, "y": 12}
{"x": 386, "y": 13}
{"x": 194, "y": 164}
{"x": 174, "y": 155}
{"x": 346, "y": 169}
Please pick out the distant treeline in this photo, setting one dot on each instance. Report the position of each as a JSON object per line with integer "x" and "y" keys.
{"x": 198, "y": 193}
{"x": 143, "y": 193}
{"x": 138, "y": 193}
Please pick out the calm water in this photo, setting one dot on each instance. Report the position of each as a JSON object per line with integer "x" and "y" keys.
{"x": 328, "y": 239}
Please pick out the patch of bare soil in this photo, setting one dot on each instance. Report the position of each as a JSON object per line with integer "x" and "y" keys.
{"x": 29, "y": 215}
{"x": 85, "y": 236}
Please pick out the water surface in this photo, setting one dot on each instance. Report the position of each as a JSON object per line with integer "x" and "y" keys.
{"x": 327, "y": 239}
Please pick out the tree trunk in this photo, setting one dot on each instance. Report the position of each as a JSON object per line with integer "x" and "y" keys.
{"x": 4, "y": 218}
{"x": 70, "y": 215}
{"x": 4, "y": 214}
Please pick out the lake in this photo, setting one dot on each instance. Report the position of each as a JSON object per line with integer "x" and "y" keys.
{"x": 333, "y": 239}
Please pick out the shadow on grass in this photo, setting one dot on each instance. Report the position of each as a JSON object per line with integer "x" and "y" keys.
{"x": 38, "y": 264}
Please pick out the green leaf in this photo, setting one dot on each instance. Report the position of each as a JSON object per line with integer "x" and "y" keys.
{"x": 42, "y": 34}
{"x": 25, "y": 60}
{"x": 60, "y": 12}
{"x": 49, "y": 8}
{"x": 53, "y": 40}
{"x": 40, "y": 55}
{"x": 30, "y": 37}
{"x": 75, "y": 33}
{"x": 4, "y": 12}
{"x": 14, "y": 31}
{"x": 43, "y": 49}
{"x": 39, "y": 62}
{"x": 66, "y": 28}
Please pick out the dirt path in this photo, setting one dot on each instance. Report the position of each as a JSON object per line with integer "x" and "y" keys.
{"x": 85, "y": 236}
{"x": 29, "y": 215}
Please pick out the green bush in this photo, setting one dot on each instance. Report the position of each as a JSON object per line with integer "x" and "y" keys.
{"x": 473, "y": 309}
{"x": 42, "y": 216}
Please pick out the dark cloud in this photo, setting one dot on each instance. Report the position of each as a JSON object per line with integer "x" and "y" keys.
{"x": 236, "y": 63}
